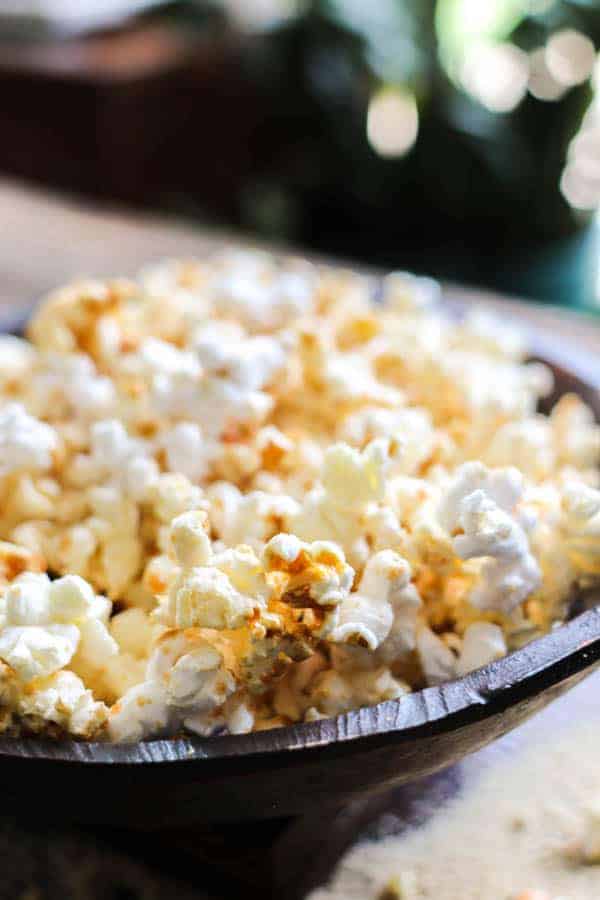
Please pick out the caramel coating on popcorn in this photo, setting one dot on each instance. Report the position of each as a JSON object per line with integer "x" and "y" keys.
{"x": 264, "y": 499}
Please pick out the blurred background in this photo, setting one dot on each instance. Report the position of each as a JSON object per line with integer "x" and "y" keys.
{"x": 455, "y": 137}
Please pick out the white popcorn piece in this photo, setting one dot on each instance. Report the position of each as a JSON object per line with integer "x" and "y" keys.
{"x": 133, "y": 632}
{"x": 27, "y": 600}
{"x": 187, "y": 683}
{"x": 366, "y": 616}
{"x": 245, "y": 572}
{"x": 512, "y": 573}
{"x": 438, "y": 662}
{"x": 155, "y": 357}
{"x": 209, "y": 590}
{"x": 68, "y": 384}
{"x": 482, "y": 643}
{"x": 239, "y": 718}
{"x": 173, "y": 494}
{"x": 250, "y": 362}
{"x": 484, "y": 331}
{"x": 198, "y": 682}
{"x": 33, "y": 651}
{"x": 528, "y": 445}
{"x": 141, "y": 712}
{"x": 186, "y": 450}
{"x": 26, "y": 444}
{"x": 576, "y": 433}
{"x": 96, "y": 646}
{"x": 119, "y": 460}
{"x": 205, "y": 598}
{"x": 47, "y": 626}
{"x": 404, "y": 292}
{"x": 353, "y": 485}
{"x": 190, "y": 540}
{"x": 334, "y": 692}
{"x": 477, "y": 509}
{"x": 71, "y": 599}
{"x": 254, "y": 293}
{"x": 351, "y": 478}
{"x": 580, "y": 527}
{"x": 411, "y": 428}
{"x": 62, "y": 699}
{"x": 248, "y": 519}
{"x": 402, "y": 638}
{"x": 17, "y": 358}
{"x": 503, "y": 486}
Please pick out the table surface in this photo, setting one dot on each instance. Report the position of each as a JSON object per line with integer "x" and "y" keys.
{"x": 45, "y": 241}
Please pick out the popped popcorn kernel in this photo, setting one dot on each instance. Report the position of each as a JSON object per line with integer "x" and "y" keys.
{"x": 236, "y": 494}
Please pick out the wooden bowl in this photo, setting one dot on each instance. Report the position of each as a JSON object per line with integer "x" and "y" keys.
{"x": 307, "y": 767}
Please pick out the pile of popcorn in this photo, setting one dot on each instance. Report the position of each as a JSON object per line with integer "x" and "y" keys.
{"x": 237, "y": 493}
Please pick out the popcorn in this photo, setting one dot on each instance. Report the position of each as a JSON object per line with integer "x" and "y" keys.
{"x": 63, "y": 700}
{"x": 205, "y": 593}
{"x": 482, "y": 643}
{"x": 190, "y": 539}
{"x": 49, "y": 626}
{"x": 141, "y": 712}
{"x": 26, "y": 444}
{"x": 187, "y": 683}
{"x": 580, "y": 527}
{"x": 487, "y": 530}
{"x": 63, "y": 385}
{"x": 206, "y": 598}
{"x": 248, "y": 519}
{"x": 35, "y": 652}
{"x": 299, "y": 502}
{"x": 186, "y": 451}
{"x": 317, "y": 572}
{"x": 255, "y": 294}
{"x": 336, "y": 692}
{"x": 437, "y": 660}
{"x": 353, "y": 484}
{"x": 366, "y": 616}
{"x": 404, "y": 292}
{"x": 117, "y": 459}
{"x": 17, "y": 357}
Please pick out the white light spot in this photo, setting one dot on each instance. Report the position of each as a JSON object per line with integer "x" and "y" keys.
{"x": 392, "y": 122}
{"x": 496, "y": 75}
{"x": 570, "y": 57}
{"x": 542, "y": 83}
{"x": 578, "y": 189}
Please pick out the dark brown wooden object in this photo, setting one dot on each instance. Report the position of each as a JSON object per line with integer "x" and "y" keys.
{"x": 136, "y": 115}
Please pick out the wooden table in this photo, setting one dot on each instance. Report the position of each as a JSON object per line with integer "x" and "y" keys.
{"x": 46, "y": 240}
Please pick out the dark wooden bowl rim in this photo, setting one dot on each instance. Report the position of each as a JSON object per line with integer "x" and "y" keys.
{"x": 569, "y": 649}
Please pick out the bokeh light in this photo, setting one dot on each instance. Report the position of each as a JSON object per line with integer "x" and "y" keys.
{"x": 261, "y": 14}
{"x": 497, "y": 75}
{"x": 392, "y": 121}
{"x": 542, "y": 83}
{"x": 462, "y": 25}
{"x": 580, "y": 182}
{"x": 570, "y": 57}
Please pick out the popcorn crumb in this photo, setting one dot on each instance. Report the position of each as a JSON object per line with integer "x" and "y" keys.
{"x": 400, "y": 887}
